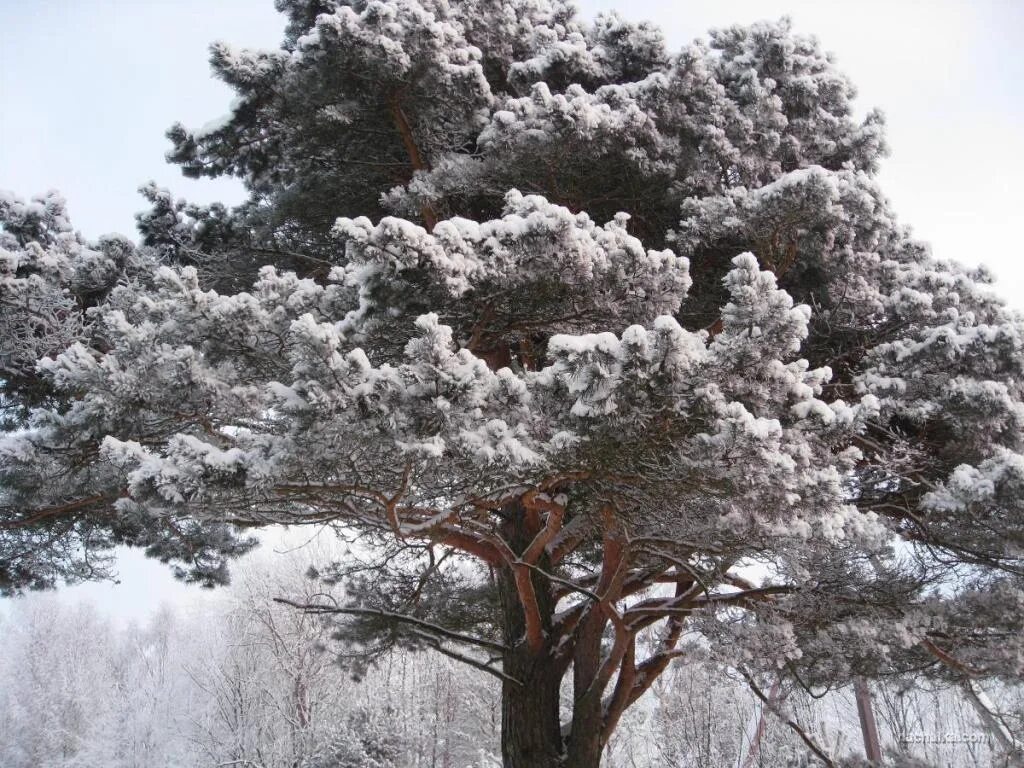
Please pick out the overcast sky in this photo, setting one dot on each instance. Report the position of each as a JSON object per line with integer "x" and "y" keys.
{"x": 88, "y": 87}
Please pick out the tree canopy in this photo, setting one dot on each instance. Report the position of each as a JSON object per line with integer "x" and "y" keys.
{"x": 594, "y": 345}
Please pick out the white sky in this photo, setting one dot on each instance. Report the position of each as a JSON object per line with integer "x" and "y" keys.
{"x": 88, "y": 87}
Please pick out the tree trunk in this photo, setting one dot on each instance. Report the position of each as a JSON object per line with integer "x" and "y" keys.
{"x": 530, "y": 714}
{"x": 584, "y": 743}
{"x": 585, "y": 746}
{"x": 530, "y": 723}
{"x": 872, "y": 747}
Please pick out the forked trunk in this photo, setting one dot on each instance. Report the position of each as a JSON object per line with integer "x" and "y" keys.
{"x": 530, "y": 717}
{"x": 531, "y": 734}
{"x": 531, "y": 724}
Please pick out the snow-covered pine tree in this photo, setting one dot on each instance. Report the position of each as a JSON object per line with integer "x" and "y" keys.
{"x": 595, "y": 346}
{"x": 51, "y": 283}
{"x": 49, "y": 277}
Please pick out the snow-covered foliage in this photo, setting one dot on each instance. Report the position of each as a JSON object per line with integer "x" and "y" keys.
{"x": 54, "y": 290}
{"x": 619, "y": 343}
{"x": 49, "y": 276}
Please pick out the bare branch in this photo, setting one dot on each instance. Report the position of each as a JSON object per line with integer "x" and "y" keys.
{"x": 399, "y": 618}
{"x": 793, "y": 724}
{"x": 435, "y": 643}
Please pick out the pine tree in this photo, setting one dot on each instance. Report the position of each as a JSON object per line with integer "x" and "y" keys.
{"x": 593, "y": 346}
{"x": 49, "y": 277}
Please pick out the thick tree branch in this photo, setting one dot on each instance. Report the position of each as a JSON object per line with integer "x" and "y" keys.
{"x": 686, "y": 604}
{"x": 39, "y": 515}
{"x": 620, "y": 698}
{"x": 556, "y": 513}
{"x": 531, "y": 610}
{"x": 470, "y": 545}
{"x": 652, "y": 667}
{"x": 412, "y": 149}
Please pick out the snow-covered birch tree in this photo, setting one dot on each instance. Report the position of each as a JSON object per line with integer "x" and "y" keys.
{"x": 593, "y": 345}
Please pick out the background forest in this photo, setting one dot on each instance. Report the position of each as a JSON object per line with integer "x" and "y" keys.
{"x": 243, "y": 681}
